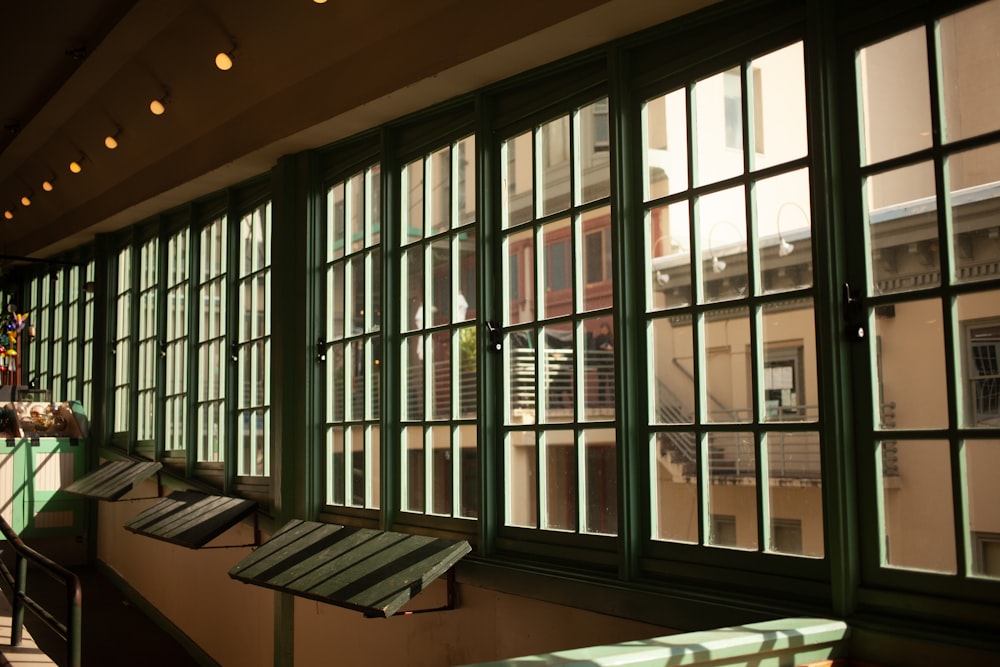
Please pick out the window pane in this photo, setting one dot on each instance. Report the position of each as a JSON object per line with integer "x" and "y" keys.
{"x": 982, "y": 460}
{"x": 554, "y": 166}
{"x": 732, "y": 497}
{"x": 518, "y": 180}
{"x": 668, "y": 246}
{"x": 413, "y": 201}
{"x": 718, "y": 127}
{"x": 727, "y": 380}
{"x": 519, "y": 278}
{"x": 594, "y": 149}
{"x": 970, "y": 70}
{"x": 674, "y": 466}
{"x": 908, "y": 394}
{"x": 558, "y": 370}
{"x": 439, "y": 182}
{"x": 521, "y": 469}
{"x": 559, "y": 480}
{"x": 672, "y": 372}
{"x": 664, "y": 127}
{"x": 974, "y": 180}
{"x": 902, "y": 229}
{"x": 722, "y": 226}
{"x": 556, "y": 268}
{"x": 597, "y": 268}
{"x": 795, "y": 494}
{"x": 918, "y": 520}
{"x": 979, "y": 324}
{"x": 784, "y": 231}
{"x": 895, "y": 97}
{"x": 777, "y": 103}
{"x": 600, "y": 481}
{"x": 520, "y": 359}
{"x": 789, "y": 378}
{"x": 599, "y": 369}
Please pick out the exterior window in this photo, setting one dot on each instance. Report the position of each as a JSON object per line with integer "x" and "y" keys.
{"x": 253, "y": 431}
{"x": 175, "y": 343}
{"x": 212, "y": 354}
{"x": 730, "y": 314}
{"x": 559, "y": 439}
{"x": 74, "y": 334}
{"x": 439, "y": 455}
{"x": 122, "y": 338}
{"x": 929, "y": 167}
{"x": 87, "y": 336}
{"x": 353, "y": 260}
{"x": 148, "y": 353}
{"x": 43, "y": 331}
{"x": 58, "y": 335}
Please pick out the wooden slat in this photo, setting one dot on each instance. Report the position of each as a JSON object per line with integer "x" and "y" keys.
{"x": 190, "y": 519}
{"x": 372, "y": 571}
{"x": 113, "y": 479}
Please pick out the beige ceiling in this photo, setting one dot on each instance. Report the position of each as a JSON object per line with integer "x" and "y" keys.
{"x": 305, "y": 74}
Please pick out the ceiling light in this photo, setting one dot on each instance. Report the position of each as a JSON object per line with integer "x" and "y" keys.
{"x": 25, "y": 201}
{"x": 320, "y": 2}
{"x": 47, "y": 185}
{"x": 8, "y": 214}
{"x": 75, "y": 166}
{"x": 157, "y": 107}
{"x": 111, "y": 142}
{"x": 224, "y": 60}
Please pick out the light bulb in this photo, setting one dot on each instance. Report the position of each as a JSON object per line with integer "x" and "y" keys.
{"x": 75, "y": 167}
{"x": 8, "y": 214}
{"x": 156, "y": 106}
{"x": 47, "y": 186}
{"x": 25, "y": 201}
{"x": 111, "y": 142}
{"x": 224, "y": 61}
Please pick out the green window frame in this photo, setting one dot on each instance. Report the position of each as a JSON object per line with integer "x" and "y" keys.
{"x": 210, "y": 399}
{"x": 176, "y": 341}
{"x": 253, "y": 405}
{"x": 925, "y": 161}
{"x": 147, "y": 343}
{"x": 438, "y": 450}
{"x": 351, "y": 345}
{"x": 121, "y": 348}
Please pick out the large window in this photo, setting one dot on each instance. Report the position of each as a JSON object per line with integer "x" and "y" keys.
{"x": 121, "y": 342}
{"x": 730, "y": 337}
{"x": 929, "y": 167}
{"x": 559, "y": 440}
{"x": 353, "y": 343}
{"x": 175, "y": 343}
{"x": 439, "y": 448}
{"x": 147, "y": 354}
{"x": 253, "y": 412}
{"x": 213, "y": 357}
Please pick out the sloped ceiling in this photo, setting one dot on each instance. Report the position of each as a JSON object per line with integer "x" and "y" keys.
{"x": 305, "y": 74}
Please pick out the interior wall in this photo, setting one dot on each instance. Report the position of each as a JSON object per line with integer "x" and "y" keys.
{"x": 231, "y": 621}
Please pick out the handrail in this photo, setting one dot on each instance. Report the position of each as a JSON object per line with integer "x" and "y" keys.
{"x": 18, "y": 581}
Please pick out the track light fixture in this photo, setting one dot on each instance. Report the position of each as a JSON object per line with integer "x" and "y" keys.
{"x": 111, "y": 141}
{"x": 26, "y": 201}
{"x": 8, "y": 214}
{"x": 158, "y": 106}
{"x": 47, "y": 185}
{"x": 224, "y": 59}
{"x": 76, "y": 166}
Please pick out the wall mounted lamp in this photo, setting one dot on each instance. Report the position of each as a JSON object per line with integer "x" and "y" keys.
{"x": 785, "y": 247}
{"x": 718, "y": 264}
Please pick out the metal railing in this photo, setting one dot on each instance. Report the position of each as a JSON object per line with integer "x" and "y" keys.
{"x": 70, "y": 631}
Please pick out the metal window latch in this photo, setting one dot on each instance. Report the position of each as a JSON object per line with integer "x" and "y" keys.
{"x": 163, "y": 350}
{"x": 320, "y": 351}
{"x": 496, "y": 335}
{"x": 234, "y": 352}
{"x": 855, "y": 321}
